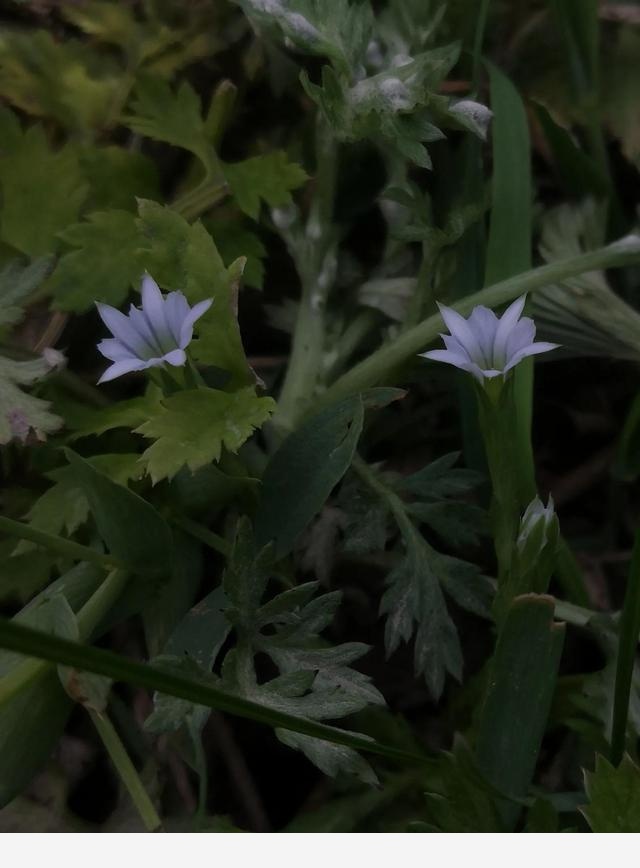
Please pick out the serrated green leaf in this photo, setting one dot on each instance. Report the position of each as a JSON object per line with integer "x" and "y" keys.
{"x": 332, "y": 759}
{"x": 105, "y": 266}
{"x": 125, "y": 414}
{"x": 268, "y": 178}
{"x": 614, "y": 796}
{"x": 414, "y": 601}
{"x": 315, "y": 680}
{"x": 21, "y": 414}
{"x": 175, "y": 118}
{"x": 191, "y": 428}
{"x": 42, "y": 192}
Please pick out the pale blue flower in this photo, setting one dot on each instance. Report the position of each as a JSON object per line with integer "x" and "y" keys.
{"x": 154, "y": 335}
{"x": 485, "y": 345}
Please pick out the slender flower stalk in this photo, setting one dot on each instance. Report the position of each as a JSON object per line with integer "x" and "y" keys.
{"x": 489, "y": 348}
{"x": 156, "y": 334}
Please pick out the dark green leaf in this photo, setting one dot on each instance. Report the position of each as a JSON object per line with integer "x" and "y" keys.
{"x": 132, "y": 529}
{"x": 304, "y": 471}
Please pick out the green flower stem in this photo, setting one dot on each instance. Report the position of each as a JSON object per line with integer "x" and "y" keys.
{"x": 66, "y": 547}
{"x": 382, "y": 363}
{"x": 88, "y": 618}
{"x": 125, "y": 768}
{"x": 311, "y": 254}
{"x": 497, "y": 411}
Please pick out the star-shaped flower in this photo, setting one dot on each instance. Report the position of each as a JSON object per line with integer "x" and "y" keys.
{"x": 485, "y": 345}
{"x": 154, "y": 335}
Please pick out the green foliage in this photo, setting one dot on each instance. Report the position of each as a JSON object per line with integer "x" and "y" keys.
{"x": 169, "y": 138}
{"x": 42, "y": 192}
{"x": 174, "y": 118}
{"x": 614, "y": 796}
{"x": 414, "y": 601}
{"x": 17, "y": 282}
{"x": 521, "y": 685}
{"x": 193, "y": 427}
{"x": 104, "y": 267}
{"x": 131, "y": 528}
{"x": 59, "y": 79}
{"x": 64, "y": 508}
{"x": 461, "y": 800}
{"x": 304, "y": 471}
{"x": 33, "y": 716}
{"x": 20, "y": 413}
{"x": 269, "y": 178}
{"x": 315, "y": 680}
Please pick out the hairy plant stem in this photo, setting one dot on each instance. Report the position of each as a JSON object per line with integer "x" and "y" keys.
{"x": 381, "y": 364}
{"x": 314, "y": 255}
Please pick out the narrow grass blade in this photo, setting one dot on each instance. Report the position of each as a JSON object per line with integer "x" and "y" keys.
{"x": 627, "y": 647}
{"x": 35, "y": 643}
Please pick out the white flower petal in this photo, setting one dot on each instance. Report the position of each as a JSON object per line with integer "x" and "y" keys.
{"x": 122, "y": 329}
{"x": 462, "y": 332}
{"x": 186, "y": 329}
{"x": 484, "y": 323}
{"x": 506, "y": 324}
{"x": 531, "y": 350}
{"x": 154, "y": 310}
{"x": 522, "y": 335}
{"x": 176, "y": 311}
{"x": 176, "y": 358}
{"x": 117, "y": 369}
{"x": 114, "y": 350}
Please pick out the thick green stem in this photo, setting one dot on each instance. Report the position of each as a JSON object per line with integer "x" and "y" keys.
{"x": 125, "y": 768}
{"x": 381, "y": 364}
{"x": 314, "y": 255}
